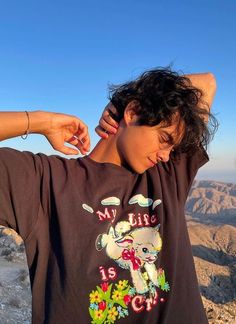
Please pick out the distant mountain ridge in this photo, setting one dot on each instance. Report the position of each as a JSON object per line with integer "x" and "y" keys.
{"x": 212, "y": 201}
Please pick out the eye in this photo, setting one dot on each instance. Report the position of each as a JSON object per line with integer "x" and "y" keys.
{"x": 145, "y": 250}
{"x": 163, "y": 139}
{"x": 166, "y": 142}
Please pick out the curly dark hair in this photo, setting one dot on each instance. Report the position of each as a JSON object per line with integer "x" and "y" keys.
{"x": 159, "y": 94}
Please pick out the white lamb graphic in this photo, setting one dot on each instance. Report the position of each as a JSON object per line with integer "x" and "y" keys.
{"x": 133, "y": 250}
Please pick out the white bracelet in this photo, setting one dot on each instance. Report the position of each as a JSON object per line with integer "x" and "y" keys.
{"x": 25, "y": 135}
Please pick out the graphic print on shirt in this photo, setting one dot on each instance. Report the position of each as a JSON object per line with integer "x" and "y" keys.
{"x": 133, "y": 245}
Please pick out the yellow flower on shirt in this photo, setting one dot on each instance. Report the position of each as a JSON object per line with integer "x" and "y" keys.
{"x": 112, "y": 313}
{"x": 117, "y": 295}
{"x": 95, "y": 297}
{"x": 122, "y": 284}
{"x": 98, "y": 314}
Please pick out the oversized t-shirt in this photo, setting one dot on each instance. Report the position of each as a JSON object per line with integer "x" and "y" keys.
{"x": 103, "y": 243}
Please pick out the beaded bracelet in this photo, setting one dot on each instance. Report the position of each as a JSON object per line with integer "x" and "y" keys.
{"x": 25, "y": 135}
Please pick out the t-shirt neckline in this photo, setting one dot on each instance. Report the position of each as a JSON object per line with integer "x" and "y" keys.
{"x": 121, "y": 169}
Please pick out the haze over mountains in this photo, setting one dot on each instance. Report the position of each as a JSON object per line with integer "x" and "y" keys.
{"x": 211, "y": 221}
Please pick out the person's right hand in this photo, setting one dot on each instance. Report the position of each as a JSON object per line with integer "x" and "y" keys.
{"x": 67, "y": 129}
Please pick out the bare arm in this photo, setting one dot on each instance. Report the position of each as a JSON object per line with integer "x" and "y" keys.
{"x": 57, "y": 128}
{"x": 207, "y": 83}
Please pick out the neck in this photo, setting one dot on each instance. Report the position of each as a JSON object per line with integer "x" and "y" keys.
{"x": 106, "y": 151}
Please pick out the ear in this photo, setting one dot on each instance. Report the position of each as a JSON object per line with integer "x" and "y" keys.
{"x": 130, "y": 113}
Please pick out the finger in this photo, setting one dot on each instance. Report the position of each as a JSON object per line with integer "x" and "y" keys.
{"x": 100, "y": 131}
{"x": 73, "y": 140}
{"x": 107, "y": 127}
{"x": 83, "y": 147}
{"x": 83, "y": 136}
{"x": 110, "y": 118}
{"x": 68, "y": 150}
{"x": 85, "y": 141}
{"x": 111, "y": 108}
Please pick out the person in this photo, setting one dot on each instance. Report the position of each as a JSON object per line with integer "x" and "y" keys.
{"x": 105, "y": 234}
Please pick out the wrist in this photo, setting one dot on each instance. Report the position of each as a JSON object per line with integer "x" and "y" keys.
{"x": 39, "y": 121}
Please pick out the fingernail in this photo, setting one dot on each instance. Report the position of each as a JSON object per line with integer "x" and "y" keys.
{"x": 114, "y": 131}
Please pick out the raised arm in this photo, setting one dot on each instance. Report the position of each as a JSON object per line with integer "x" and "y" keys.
{"x": 206, "y": 82}
{"x": 57, "y": 128}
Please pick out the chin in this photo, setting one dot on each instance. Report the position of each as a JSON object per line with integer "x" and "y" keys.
{"x": 140, "y": 171}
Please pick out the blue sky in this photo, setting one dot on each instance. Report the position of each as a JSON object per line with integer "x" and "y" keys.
{"x": 61, "y": 55}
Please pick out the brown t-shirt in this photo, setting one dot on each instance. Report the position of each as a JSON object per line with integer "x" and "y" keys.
{"x": 103, "y": 244}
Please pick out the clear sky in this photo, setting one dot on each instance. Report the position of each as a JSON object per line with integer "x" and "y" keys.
{"x": 60, "y": 55}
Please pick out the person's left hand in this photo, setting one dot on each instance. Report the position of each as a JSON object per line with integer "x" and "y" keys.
{"x": 107, "y": 125}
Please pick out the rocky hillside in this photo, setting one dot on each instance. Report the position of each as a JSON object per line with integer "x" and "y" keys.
{"x": 214, "y": 251}
{"x": 15, "y": 294}
{"x": 212, "y": 202}
{"x": 211, "y": 220}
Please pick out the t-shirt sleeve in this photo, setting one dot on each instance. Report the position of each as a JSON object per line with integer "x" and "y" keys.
{"x": 185, "y": 168}
{"x": 20, "y": 186}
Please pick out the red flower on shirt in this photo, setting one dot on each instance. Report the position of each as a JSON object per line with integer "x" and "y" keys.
{"x": 127, "y": 299}
{"x": 102, "y": 305}
{"x": 104, "y": 286}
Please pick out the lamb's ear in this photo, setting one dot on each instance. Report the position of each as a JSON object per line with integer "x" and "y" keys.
{"x": 125, "y": 241}
{"x": 98, "y": 243}
{"x": 101, "y": 241}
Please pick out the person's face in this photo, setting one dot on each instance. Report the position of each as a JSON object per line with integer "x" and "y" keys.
{"x": 141, "y": 147}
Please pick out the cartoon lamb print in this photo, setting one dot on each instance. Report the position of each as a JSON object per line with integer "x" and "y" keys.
{"x": 133, "y": 250}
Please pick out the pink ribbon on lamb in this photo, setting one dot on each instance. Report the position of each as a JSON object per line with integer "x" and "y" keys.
{"x": 130, "y": 255}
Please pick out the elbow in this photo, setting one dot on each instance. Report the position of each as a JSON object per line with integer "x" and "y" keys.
{"x": 211, "y": 81}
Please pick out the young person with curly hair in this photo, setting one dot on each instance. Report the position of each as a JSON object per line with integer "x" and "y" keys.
{"x": 105, "y": 234}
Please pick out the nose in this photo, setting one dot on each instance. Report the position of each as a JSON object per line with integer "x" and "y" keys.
{"x": 163, "y": 155}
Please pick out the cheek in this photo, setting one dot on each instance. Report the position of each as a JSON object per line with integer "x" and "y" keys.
{"x": 128, "y": 142}
{"x": 134, "y": 146}
{"x": 143, "y": 140}
{"x": 125, "y": 147}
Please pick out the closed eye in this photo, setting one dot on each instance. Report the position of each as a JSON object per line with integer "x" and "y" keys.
{"x": 165, "y": 140}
